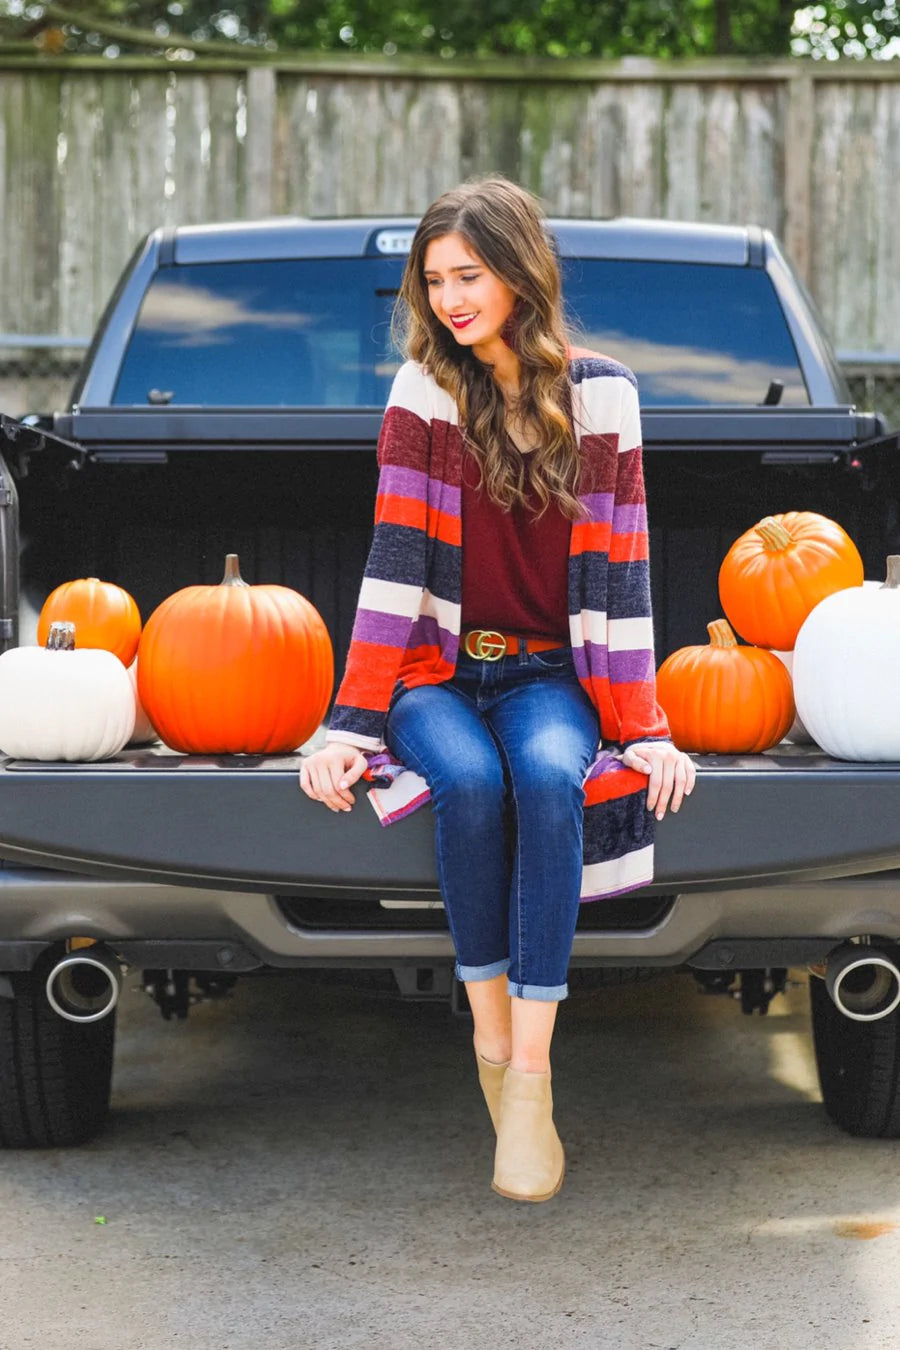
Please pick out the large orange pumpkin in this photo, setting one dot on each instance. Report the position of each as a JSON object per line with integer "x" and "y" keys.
{"x": 235, "y": 669}
{"x": 725, "y": 699}
{"x": 104, "y": 616}
{"x": 774, "y": 575}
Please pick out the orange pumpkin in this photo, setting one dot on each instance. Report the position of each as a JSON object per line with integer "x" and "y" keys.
{"x": 235, "y": 669}
{"x": 725, "y": 699}
{"x": 773, "y": 577}
{"x": 104, "y": 616}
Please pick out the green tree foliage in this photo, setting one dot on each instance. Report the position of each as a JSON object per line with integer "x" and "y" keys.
{"x": 607, "y": 29}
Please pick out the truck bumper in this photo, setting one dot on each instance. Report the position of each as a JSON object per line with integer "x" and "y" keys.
{"x": 206, "y": 929}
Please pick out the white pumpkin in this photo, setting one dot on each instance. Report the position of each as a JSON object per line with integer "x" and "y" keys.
{"x": 846, "y": 664}
{"x": 59, "y": 703}
{"x": 144, "y": 730}
{"x": 798, "y": 735}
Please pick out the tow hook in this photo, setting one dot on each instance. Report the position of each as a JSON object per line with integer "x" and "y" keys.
{"x": 175, "y": 992}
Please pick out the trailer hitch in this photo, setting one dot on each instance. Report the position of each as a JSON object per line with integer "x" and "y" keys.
{"x": 175, "y": 992}
{"x": 755, "y": 988}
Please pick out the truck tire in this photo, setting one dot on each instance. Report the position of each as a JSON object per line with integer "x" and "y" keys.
{"x": 55, "y": 1075}
{"x": 859, "y": 1067}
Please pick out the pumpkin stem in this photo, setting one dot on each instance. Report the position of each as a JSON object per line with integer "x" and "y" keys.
{"x": 773, "y": 534}
{"x": 232, "y": 575}
{"x": 893, "y": 573}
{"x": 721, "y": 634}
{"x": 61, "y": 637}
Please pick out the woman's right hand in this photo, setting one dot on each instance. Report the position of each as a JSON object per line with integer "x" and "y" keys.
{"x": 326, "y": 776}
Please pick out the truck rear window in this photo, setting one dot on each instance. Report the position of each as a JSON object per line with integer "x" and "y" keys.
{"x": 315, "y": 332}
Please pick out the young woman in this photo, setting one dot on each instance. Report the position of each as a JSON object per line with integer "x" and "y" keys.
{"x": 502, "y": 652}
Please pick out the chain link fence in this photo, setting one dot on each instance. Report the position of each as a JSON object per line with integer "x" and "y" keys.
{"x": 875, "y": 385}
{"x": 37, "y": 375}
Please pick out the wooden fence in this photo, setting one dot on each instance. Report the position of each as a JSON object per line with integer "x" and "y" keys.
{"x": 94, "y": 153}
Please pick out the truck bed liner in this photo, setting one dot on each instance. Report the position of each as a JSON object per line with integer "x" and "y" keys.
{"x": 792, "y": 814}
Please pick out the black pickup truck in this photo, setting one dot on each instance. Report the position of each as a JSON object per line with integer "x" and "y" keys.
{"x": 231, "y": 403}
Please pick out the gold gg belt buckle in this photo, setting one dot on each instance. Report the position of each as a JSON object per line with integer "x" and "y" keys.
{"x": 489, "y": 645}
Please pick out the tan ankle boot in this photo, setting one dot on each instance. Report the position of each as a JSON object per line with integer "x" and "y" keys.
{"x": 491, "y": 1076}
{"x": 529, "y": 1163}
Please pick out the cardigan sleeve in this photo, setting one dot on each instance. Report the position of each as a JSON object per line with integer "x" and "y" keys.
{"x": 632, "y": 669}
{"x": 394, "y": 575}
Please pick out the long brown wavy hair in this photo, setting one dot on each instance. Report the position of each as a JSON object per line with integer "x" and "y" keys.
{"x": 502, "y": 224}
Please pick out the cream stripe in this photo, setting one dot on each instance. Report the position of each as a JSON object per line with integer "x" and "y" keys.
{"x": 630, "y": 429}
{"x": 416, "y": 391}
{"x": 604, "y": 878}
{"x": 603, "y": 403}
{"x": 390, "y": 597}
{"x": 351, "y": 738}
{"x": 446, "y": 612}
{"x": 593, "y": 627}
{"x": 410, "y": 391}
{"x": 398, "y": 794}
{"x": 628, "y": 635}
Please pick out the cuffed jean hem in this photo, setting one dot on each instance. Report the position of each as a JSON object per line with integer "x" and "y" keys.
{"x": 544, "y": 993}
{"x": 482, "y": 972}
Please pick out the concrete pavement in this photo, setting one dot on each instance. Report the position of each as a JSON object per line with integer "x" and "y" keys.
{"x": 304, "y": 1167}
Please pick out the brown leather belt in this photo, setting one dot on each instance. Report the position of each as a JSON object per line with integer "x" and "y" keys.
{"x": 488, "y": 644}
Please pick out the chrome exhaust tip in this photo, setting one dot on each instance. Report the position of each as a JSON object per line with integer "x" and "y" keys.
{"x": 863, "y": 981}
{"x": 84, "y": 986}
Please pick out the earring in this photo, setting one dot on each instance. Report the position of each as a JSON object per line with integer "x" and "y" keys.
{"x": 511, "y": 323}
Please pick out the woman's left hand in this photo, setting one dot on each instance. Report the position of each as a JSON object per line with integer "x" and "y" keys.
{"x": 672, "y": 773}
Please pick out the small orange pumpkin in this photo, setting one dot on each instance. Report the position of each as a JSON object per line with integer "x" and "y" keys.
{"x": 723, "y": 698}
{"x": 235, "y": 669}
{"x": 775, "y": 574}
{"x": 104, "y": 616}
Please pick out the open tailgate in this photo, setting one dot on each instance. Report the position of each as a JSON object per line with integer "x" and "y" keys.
{"x": 791, "y": 814}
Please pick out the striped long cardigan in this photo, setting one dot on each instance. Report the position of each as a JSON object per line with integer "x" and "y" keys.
{"x": 407, "y": 624}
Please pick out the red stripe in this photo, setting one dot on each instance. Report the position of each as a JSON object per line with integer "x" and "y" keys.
{"x": 629, "y": 547}
{"x": 612, "y": 785}
{"x": 392, "y": 510}
{"x": 590, "y": 536}
{"x": 370, "y": 677}
{"x": 403, "y": 439}
{"x": 447, "y": 528}
{"x": 424, "y": 665}
{"x": 630, "y": 477}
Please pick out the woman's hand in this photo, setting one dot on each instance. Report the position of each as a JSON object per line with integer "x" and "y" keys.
{"x": 672, "y": 773}
{"x": 326, "y": 775}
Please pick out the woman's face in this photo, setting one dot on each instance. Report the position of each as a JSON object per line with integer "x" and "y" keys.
{"x": 467, "y": 297}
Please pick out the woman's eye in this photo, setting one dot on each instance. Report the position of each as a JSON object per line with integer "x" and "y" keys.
{"x": 472, "y": 278}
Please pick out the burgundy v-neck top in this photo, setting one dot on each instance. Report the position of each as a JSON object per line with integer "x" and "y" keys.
{"x": 514, "y": 566}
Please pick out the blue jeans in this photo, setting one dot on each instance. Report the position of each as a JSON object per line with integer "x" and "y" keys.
{"x": 510, "y": 736}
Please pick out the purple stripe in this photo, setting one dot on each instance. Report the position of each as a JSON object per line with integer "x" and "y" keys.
{"x": 580, "y": 661}
{"x": 631, "y": 667}
{"x": 402, "y": 482}
{"x": 624, "y": 667}
{"x": 600, "y": 505}
{"x": 388, "y": 630}
{"x": 605, "y": 762}
{"x": 630, "y": 518}
{"x": 427, "y": 631}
